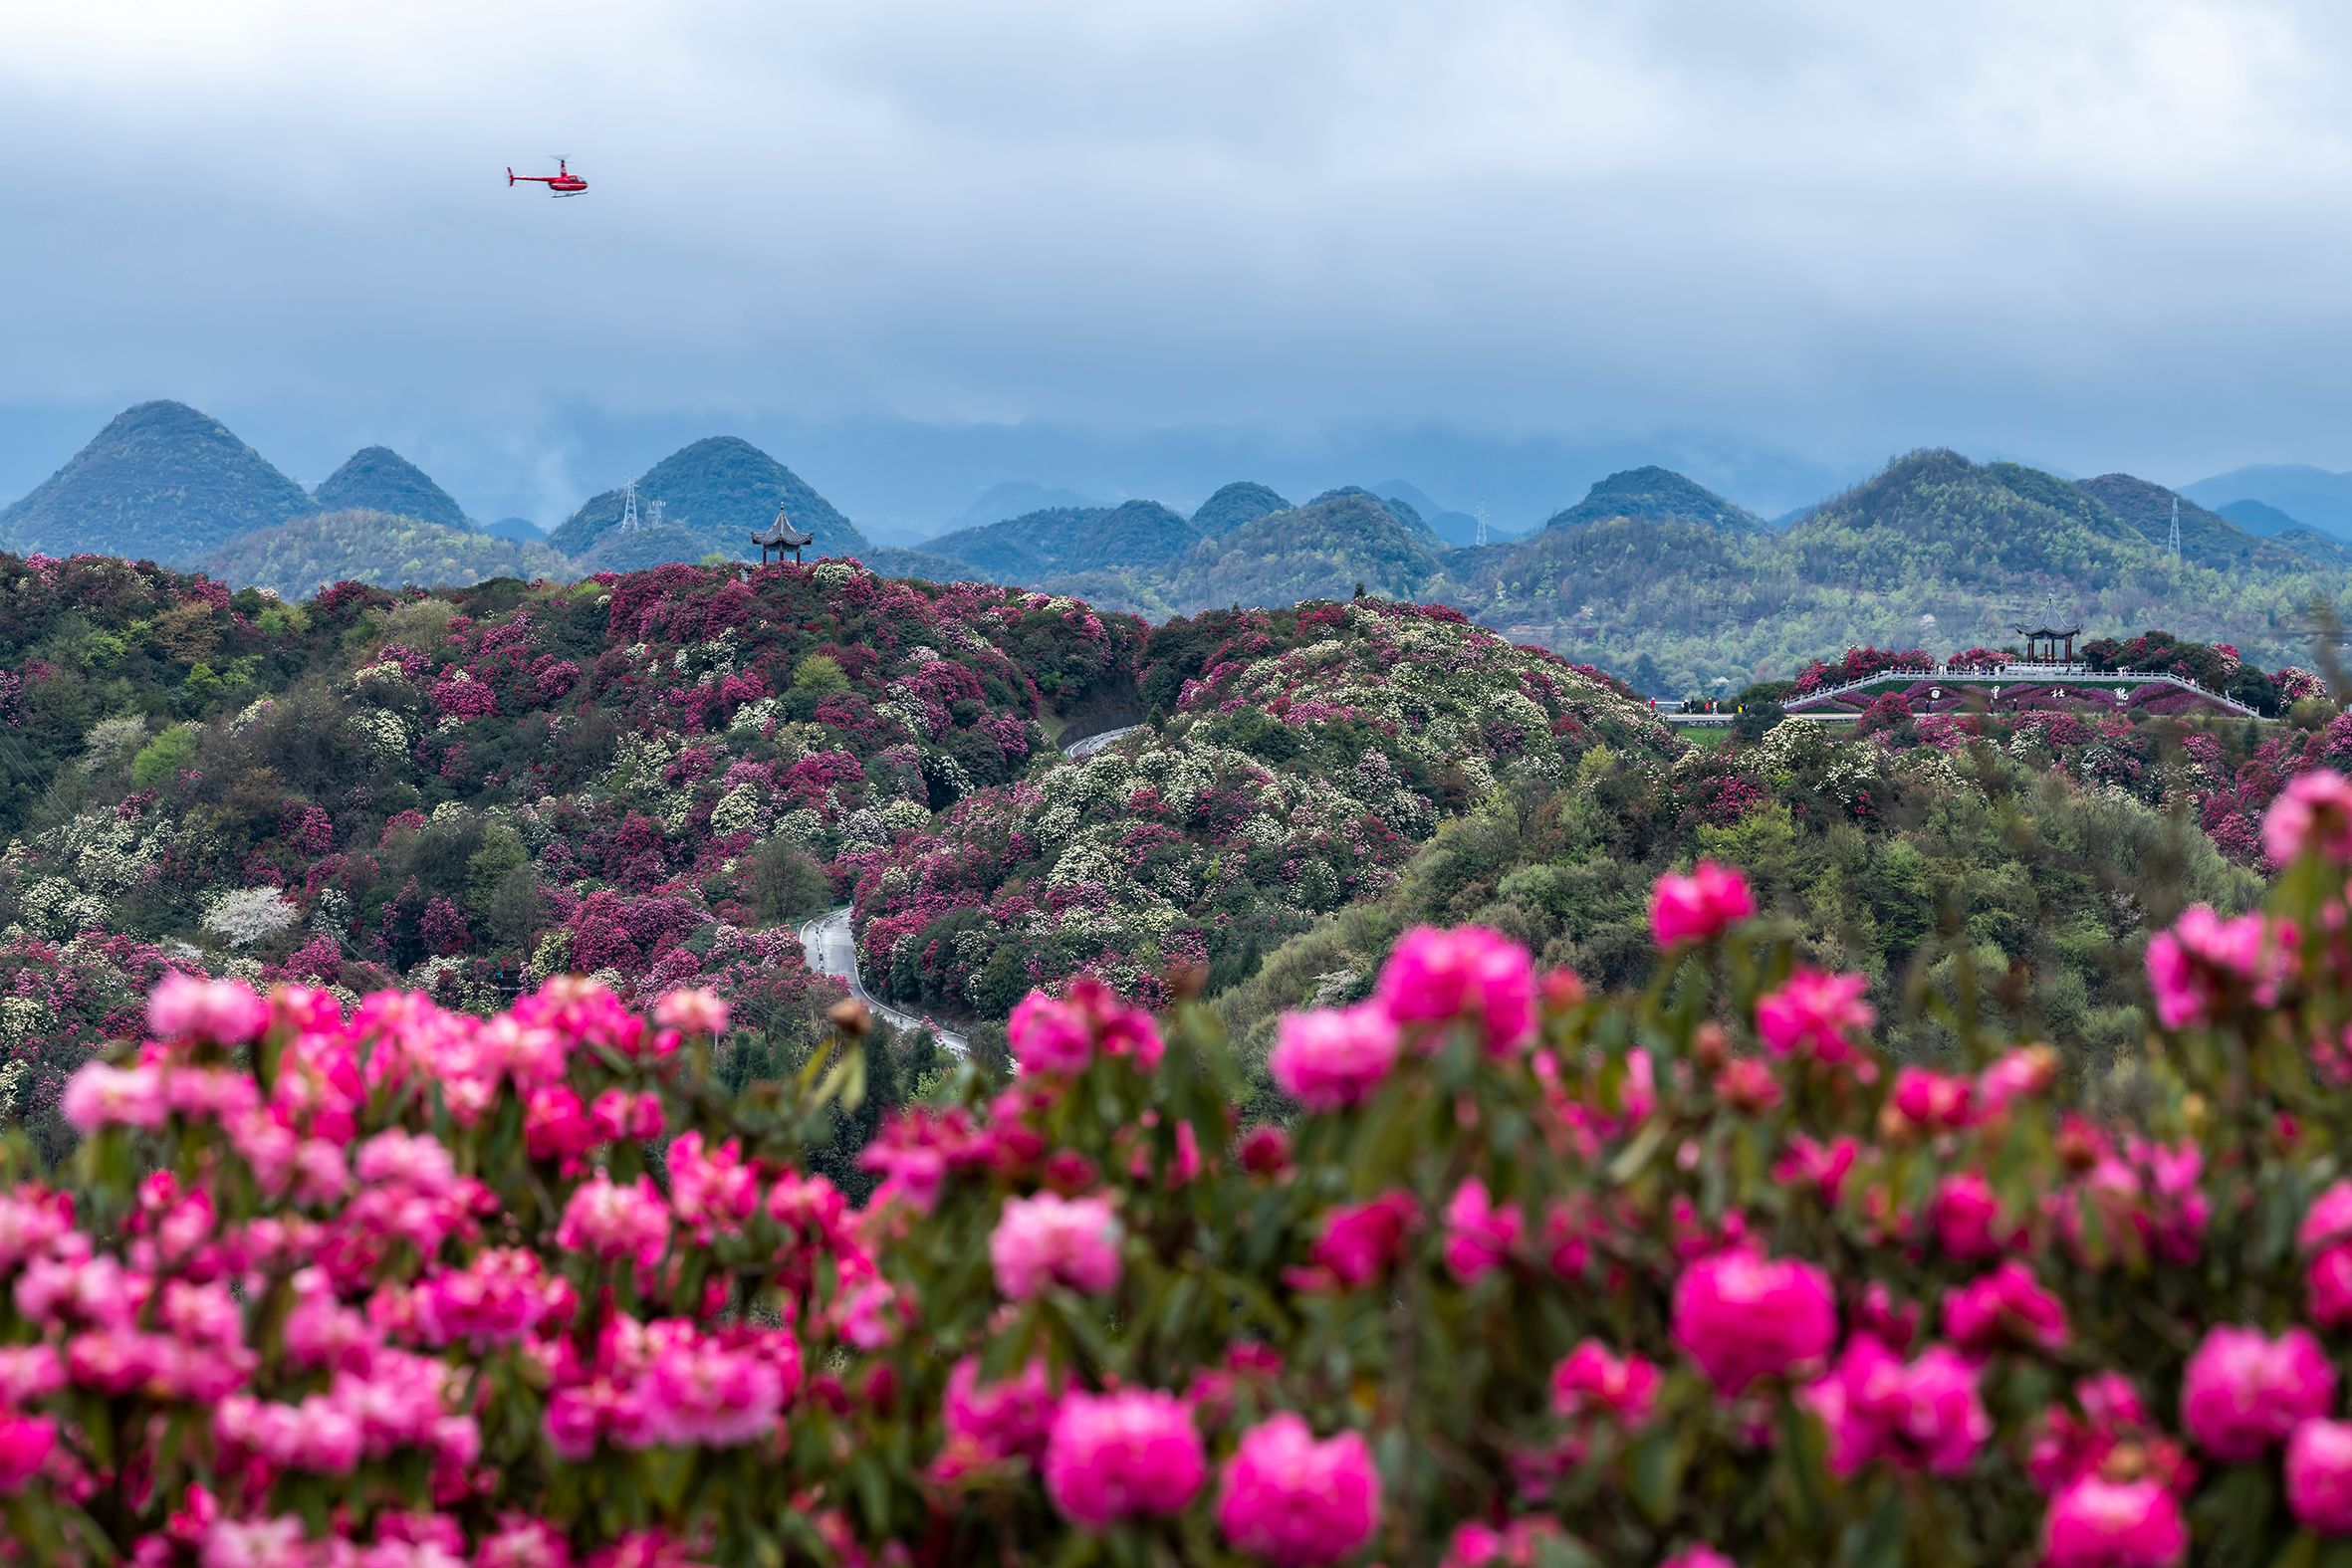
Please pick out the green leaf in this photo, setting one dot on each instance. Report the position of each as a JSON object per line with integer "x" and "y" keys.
{"x": 1653, "y": 1474}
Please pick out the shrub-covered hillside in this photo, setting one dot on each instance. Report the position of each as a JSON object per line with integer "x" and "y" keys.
{"x": 646, "y": 776}
{"x": 1304, "y": 754}
{"x": 297, "y": 558}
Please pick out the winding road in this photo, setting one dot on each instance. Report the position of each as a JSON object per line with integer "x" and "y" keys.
{"x": 1095, "y": 743}
{"x": 832, "y": 951}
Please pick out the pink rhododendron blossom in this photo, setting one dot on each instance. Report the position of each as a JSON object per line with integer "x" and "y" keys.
{"x": 1063, "y": 1035}
{"x": 1694, "y": 908}
{"x": 24, "y": 1444}
{"x": 1742, "y": 1316}
{"x": 2328, "y": 1288}
{"x": 1817, "y": 1015}
{"x": 1748, "y": 1085}
{"x": 1331, "y": 1058}
{"x": 693, "y": 1009}
{"x": 2098, "y": 1523}
{"x": 1594, "y": 1379}
{"x": 1469, "y": 972}
{"x": 1517, "y": 1545}
{"x": 2242, "y": 1392}
{"x": 1048, "y": 1240}
{"x": 1361, "y": 1242}
{"x": 997, "y": 1420}
{"x": 222, "y": 1012}
{"x": 2313, "y": 813}
{"x": 2319, "y": 1475}
{"x": 1295, "y": 1502}
{"x": 1923, "y": 1413}
{"x": 1698, "y": 1557}
{"x": 1480, "y": 1233}
{"x": 1127, "y": 1455}
{"x": 2198, "y": 964}
{"x": 613, "y": 1222}
{"x": 1931, "y": 1101}
{"x": 98, "y": 1095}
{"x": 2329, "y": 1219}
{"x": 2007, "y": 1307}
{"x": 1966, "y": 1212}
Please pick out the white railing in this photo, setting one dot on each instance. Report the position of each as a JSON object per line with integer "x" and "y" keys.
{"x": 2023, "y": 674}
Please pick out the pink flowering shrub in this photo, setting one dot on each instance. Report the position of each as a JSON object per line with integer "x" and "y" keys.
{"x": 1536, "y": 1273}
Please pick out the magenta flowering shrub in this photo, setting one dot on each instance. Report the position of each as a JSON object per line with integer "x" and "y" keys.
{"x": 1535, "y": 1274}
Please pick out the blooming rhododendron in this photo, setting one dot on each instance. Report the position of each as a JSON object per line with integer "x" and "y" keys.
{"x": 2314, "y": 812}
{"x": 1360, "y": 1241}
{"x": 2319, "y": 1475}
{"x": 1048, "y": 1240}
{"x": 1742, "y": 1316}
{"x": 2242, "y": 1391}
{"x": 1707, "y": 902}
{"x": 1480, "y": 1233}
{"x": 2196, "y": 966}
{"x": 1594, "y": 1379}
{"x": 1922, "y": 1414}
{"x": 1120, "y": 1455}
{"x": 387, "y": 1283}
{"x": 1332, "y": 1058}
{"x": 222, "y": 1012}
{"x": 1816, "y": 1014}
{"x": 2006, "y": 1307}
{"x": 1295, "y": 1502}
{"x": 1435, "y": 975}
{"x": 1063, "y": 1033}
{"x": 2097, "y": 1523}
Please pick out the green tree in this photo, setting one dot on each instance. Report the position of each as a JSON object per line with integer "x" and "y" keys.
{"x": 820, "y": 675}
{"x": 165, "y": 757}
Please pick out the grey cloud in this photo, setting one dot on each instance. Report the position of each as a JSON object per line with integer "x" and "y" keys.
{"x": 2108, "y": 231}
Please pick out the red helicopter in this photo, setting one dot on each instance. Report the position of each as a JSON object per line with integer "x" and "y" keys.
{"x": 563, "y": 182}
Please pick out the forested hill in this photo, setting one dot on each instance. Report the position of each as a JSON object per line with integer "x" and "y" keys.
{"x": 1655, "y": 495}
{"x": 379, "y": 479}
{"x": 161, "y": 481}
{"x": 718, "y": 492}
{"x": 297, "y": 558}
{"x": 1933, "y": 550}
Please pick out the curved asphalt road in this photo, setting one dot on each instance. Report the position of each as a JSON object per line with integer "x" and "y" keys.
{"x": 1095, "y": 743}
{"x": 832, "y": 951}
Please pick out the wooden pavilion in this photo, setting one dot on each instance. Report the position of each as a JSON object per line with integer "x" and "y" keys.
{"x": 779, "y": 536}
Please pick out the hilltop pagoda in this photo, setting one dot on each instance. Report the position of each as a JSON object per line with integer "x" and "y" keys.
{"x": 2048, "y": 645}
{"x": 2045, "y": 645}
{"x": 779, "y": 536}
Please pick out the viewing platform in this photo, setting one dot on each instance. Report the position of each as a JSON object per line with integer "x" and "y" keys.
{"x": 2020, "y": 687}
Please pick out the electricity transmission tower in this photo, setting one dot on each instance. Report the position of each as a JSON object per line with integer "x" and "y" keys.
{"x": 1482, "y": 522}
{"x": 628, "y": 510}
{"x": 2175, "y": 541}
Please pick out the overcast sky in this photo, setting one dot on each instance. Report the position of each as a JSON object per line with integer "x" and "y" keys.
{"x": 2100, "y": 233}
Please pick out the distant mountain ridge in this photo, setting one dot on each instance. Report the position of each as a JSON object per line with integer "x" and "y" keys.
{"x": 161, "y": 481}
{"x": 379, "y": 479}
{"x": 2207, "y": 537}
{"x": 2311, "y": 496}
{"x": 718, "y": 492}
{"x": 1013, "y": 498}
{"x": 1044, "y": 544}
